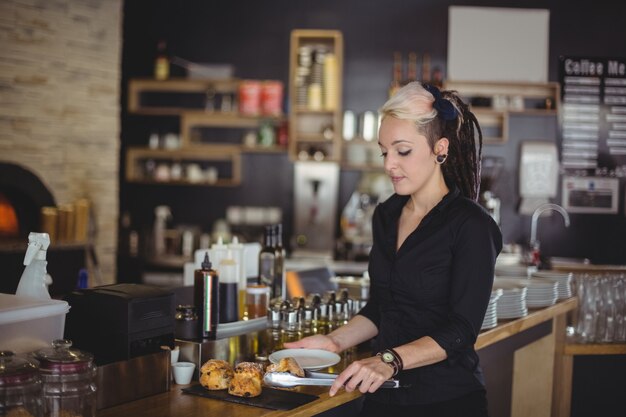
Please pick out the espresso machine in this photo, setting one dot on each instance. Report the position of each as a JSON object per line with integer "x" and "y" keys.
{"x": 316, "y": 190}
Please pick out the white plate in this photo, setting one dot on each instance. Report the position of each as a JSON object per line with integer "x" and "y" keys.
{"x": 311, "y": 359}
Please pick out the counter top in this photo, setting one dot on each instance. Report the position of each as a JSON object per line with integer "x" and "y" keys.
{"x": 174, "y": 403}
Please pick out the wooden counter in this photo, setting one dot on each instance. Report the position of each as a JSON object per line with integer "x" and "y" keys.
{"x": 174, "y": 403}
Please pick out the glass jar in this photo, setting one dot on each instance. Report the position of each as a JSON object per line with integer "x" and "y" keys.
{"x": 20, "y": 386}
{"x": 186, "y": 322}
{"x": 68, "y": 377}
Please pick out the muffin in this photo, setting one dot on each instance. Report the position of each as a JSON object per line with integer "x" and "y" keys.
{"x": 216, "y": 374}
{"x": 287, "y": 364}
{"x": 247, "y": 380}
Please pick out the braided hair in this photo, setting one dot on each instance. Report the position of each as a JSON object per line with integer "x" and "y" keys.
{"x": 443, "y": 114}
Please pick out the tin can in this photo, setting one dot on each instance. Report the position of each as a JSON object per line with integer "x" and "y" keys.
{"x": 250, "y": 98}
{"x": 271, "y": 98}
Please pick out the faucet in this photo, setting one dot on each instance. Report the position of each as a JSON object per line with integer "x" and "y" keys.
{"x": 535, "y": 219}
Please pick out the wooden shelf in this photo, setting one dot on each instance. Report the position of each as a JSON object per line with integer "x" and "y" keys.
{"x": 546, "y": 95}
{"x": 595, "y": 348}
{"x": 139, "y": 86}
{"x": 191, "y": 120}
{"x": 228, "y": 155}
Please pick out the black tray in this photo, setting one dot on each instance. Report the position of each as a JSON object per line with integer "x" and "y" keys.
{"x": 274, "y": 399}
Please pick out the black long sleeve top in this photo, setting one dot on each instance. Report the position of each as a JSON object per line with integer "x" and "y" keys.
{"x": 437, "y": 284}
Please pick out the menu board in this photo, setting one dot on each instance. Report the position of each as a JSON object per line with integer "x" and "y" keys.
{"x": 593, "y": 117}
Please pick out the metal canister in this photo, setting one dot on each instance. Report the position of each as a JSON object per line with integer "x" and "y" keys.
{"x": 186, "y": 322}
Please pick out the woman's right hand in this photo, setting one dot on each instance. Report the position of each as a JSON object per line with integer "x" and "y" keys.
{"x": 317, "y": 341}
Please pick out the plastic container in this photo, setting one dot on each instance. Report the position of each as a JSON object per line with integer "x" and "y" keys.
{"x": 28, "y": 324}
{"x": 68, "y": 377}
{"x": 20, "y": 386}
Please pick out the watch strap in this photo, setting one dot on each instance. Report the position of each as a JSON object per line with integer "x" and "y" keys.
{"x": 396, "y": 363}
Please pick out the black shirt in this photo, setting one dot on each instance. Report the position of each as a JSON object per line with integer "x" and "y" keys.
{"x": 437, "y": 284}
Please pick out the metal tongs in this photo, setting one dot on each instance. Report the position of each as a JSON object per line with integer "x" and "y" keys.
{"x": 287, "y": 380}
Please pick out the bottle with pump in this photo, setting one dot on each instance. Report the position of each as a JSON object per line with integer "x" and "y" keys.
{"x": 206, "y": 299}
{"x": 35, "y": 279}
{"x": 280, "y": 282}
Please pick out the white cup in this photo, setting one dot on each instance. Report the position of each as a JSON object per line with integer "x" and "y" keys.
{"x": 183, "y": 371}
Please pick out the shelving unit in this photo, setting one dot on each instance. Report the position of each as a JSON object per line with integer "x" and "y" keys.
{"x": 192, "y": 121}
{"x": 315, "y": 128}
{"x": 226, "y": 159}
{"x": 533, "y": 99}
{"x": 187, "y": 99}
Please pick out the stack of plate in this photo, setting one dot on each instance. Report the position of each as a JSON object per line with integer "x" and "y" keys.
{"x": 564, "y": 280}
{"x": 512, "y": 303}
{"x": 491, "y": 316}
{"x": 540, "y": 292}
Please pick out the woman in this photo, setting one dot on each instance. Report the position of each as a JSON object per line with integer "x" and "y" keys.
{"x": 431, "y": 266}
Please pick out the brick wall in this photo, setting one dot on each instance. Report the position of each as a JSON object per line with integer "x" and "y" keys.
{"x": 59, "y": 103}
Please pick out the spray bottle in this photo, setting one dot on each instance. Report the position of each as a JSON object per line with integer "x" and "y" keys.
{"x": 35, "y": 278}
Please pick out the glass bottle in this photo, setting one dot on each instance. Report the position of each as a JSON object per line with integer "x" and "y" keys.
{"x": 274, "y": 329}
{"x": 280, "y": 282}
{"x": 396, "y": 74}
{"x": 267, "y": 263}
{"x": 162, "y": 62}
{"x": 290, "y": 330}
{"x": 206, "y": 299}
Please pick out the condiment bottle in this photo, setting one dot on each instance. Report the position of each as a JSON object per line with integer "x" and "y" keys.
{"x": 68, "y": 377}
{"x": 206, "y": 299}
{"x": 20, "y": 386}
{"x": 228, "y": 281}
{"x": 290, "y": 331}
{"x": 242, "y": 280}
{"x": 274, "y": 328}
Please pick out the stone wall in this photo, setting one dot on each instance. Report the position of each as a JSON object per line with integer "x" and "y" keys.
{"x": 59, "y": 103}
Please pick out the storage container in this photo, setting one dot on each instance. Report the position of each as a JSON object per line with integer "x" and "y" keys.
{"x": 28, "y": 324}
{"x": 69, "y": 380}
{"x": 20, "y": 386}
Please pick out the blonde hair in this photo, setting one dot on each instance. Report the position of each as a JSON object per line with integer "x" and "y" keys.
{"x": 412, "y": 102}
{"x": 415, "y": 103}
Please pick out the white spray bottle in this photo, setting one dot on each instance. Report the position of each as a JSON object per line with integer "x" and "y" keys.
{"x": 35, "y": 277}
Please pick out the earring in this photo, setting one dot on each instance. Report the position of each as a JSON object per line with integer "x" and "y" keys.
{"x": 441, "y": 158}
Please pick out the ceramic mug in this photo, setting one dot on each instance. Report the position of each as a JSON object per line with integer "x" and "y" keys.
{"x": 183, "y": 371}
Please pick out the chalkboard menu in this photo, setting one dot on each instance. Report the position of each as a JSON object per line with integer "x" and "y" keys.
{"x": 593, "y": 116}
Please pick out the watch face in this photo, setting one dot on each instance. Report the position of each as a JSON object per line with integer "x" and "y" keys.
{"x": 387, "y": 357}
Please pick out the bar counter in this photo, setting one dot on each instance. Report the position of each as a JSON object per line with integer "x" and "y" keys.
{"x": 532, "y": 345}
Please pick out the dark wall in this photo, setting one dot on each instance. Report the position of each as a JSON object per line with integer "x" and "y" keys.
{"x": 254, "y": 37}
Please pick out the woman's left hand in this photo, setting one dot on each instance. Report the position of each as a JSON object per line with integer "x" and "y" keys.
{"x": 366, "y": 375}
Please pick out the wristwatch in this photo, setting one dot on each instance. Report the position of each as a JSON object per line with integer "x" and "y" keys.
{"x": 391, "y": 358}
